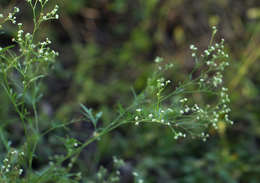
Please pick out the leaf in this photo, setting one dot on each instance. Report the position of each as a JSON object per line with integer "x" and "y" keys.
{"x": 89, "y": 115}
{"x": 120, "y": 109}
{"x": 7, "y": 47}
{"x": 36, "y": 78}
{"x": 98, "y": 115}
{"x": 133, "y": 92}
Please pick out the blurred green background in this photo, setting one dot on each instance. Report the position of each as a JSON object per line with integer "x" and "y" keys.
{"x": 108, "y": 46}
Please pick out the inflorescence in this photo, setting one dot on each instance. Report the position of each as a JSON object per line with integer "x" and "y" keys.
{"x": 178, "y": 109}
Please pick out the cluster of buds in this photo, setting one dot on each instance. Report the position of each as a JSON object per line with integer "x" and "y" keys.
{"x": 52, "y": 15}
{"x": 11, "y": 16}
{"x": 10, "y": 165}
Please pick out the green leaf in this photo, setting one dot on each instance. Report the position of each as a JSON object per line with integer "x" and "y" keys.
{"x": 89, "y": 115}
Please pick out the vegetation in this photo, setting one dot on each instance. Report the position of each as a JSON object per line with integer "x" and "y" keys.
{"x": 66, "y": 134}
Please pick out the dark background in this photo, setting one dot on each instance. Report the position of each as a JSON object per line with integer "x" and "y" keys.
{"x": 108, "y": 46}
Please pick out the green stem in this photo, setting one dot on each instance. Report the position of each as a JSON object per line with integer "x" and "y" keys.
{"x": 8, "y": 92}
{"x": 212, "y": 37}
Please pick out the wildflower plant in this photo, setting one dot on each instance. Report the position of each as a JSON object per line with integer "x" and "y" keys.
{"x": 179, "y": 107}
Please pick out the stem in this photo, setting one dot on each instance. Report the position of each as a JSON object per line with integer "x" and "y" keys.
{"x": 60, "y": 126}
{"x": 94, "y": 138}
{"x": 89, "y": 141}
{"x": 36, "y": 23}
{"x": 35, "y": 109}
{"x": 7, "y": 90}
{"x": 113, "y": 125}
{"x": 212, "y": 37}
